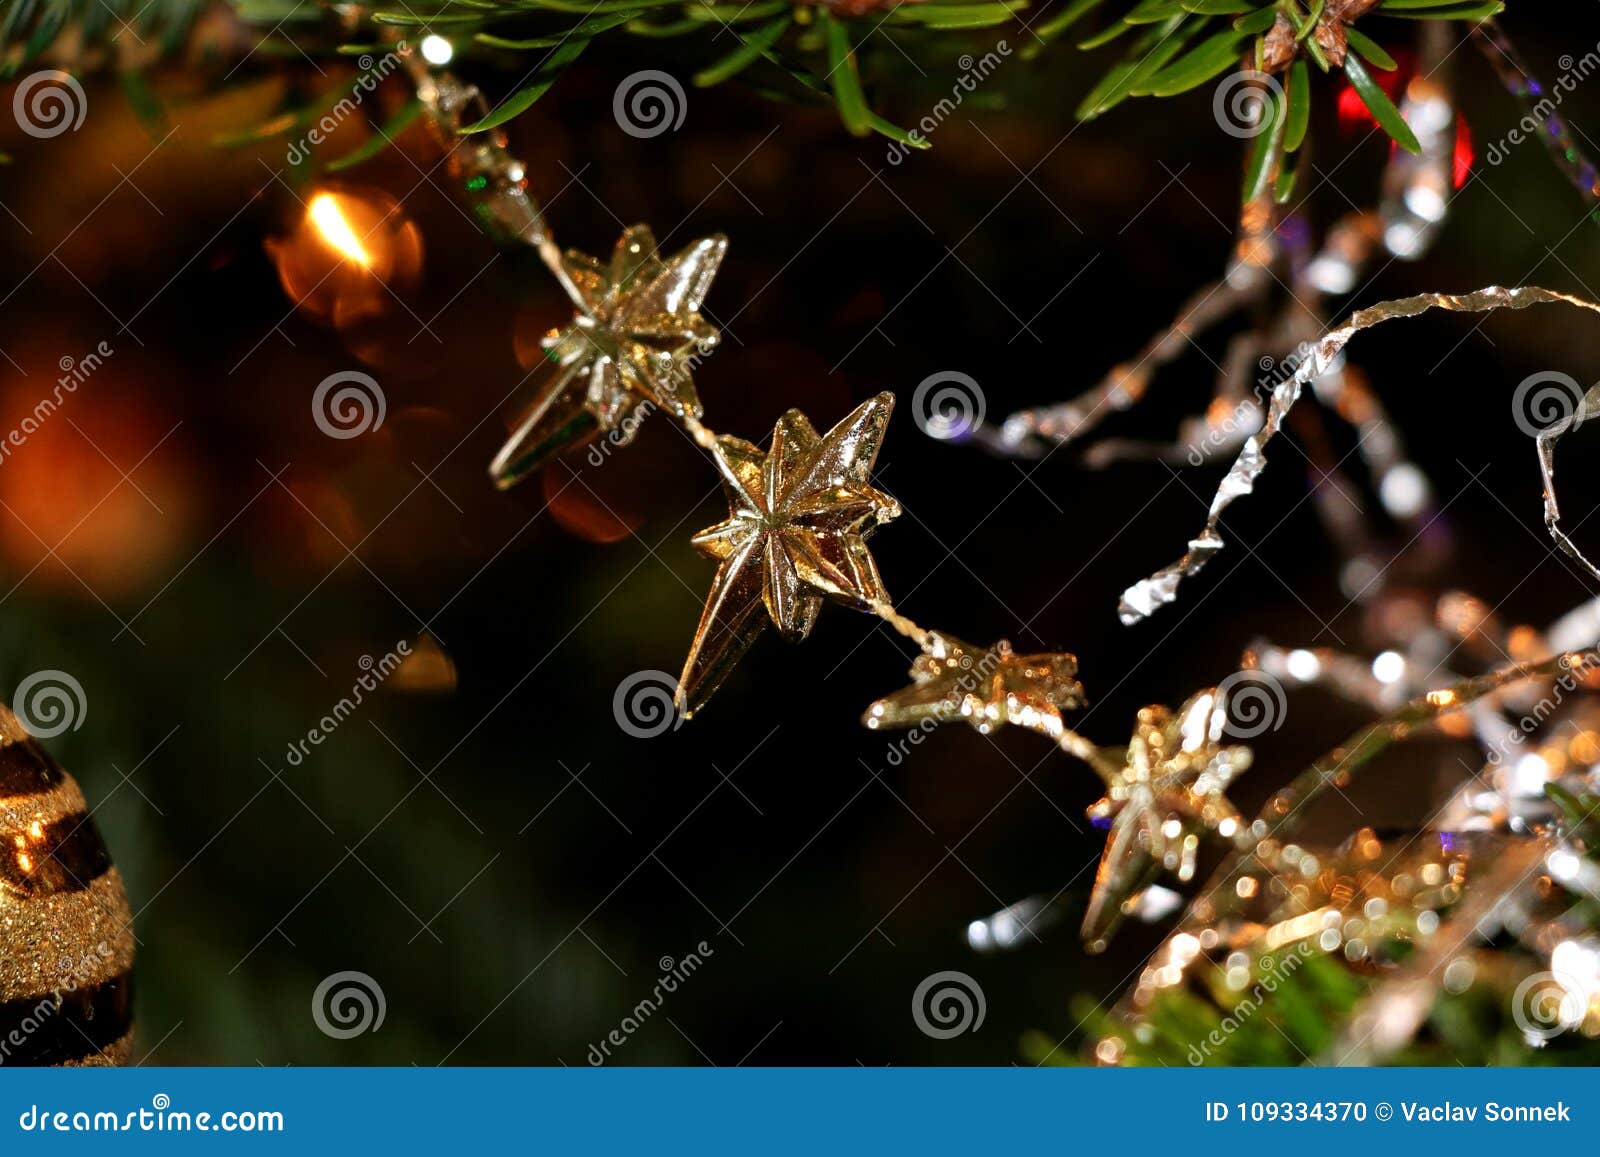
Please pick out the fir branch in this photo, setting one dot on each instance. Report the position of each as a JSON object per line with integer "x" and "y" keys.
{"x": 80, "y": 34}
{"x": 1183, "y": 44}
{"x": 819, "y": 50}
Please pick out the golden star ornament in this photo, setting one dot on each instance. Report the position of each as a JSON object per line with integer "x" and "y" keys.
{"x": 799, "y": 517}
{"x": 1169, "y": 790}
{"x": 986, "y": 686}
{"x": 636, "y": 335}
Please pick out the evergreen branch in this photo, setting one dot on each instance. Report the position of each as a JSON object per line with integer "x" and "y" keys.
{"x": 78, "y": 34}
{"x": 1182, "y": 44}
{"x": 816, "y": 50}
{"x": 819, "y": 49}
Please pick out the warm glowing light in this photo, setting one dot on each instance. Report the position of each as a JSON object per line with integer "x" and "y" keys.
{"x": 1388, "y": 667}
{"x": 437, "y": 50}
{"x": 1404, "y": 490}
{"x": 1524, "y": 643}
{"x": 1461, "y": 160}
{"x": 1441, "y": 698}
{"x": 1184, "y": 948}
{"x": 1564, "y": 865}
{"x": 427, "y": 670}
{"x": 1353, "y": 111}
{"x": 327, "y": 215}
{"x": 349, "y": 260}
{"x": 1296, "y": 928}
{"x": 1529, "y": 775}
{"x": 1304, "y": 665}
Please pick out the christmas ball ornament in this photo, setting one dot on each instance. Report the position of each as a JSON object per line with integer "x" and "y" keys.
{"x": 66, "y": 934}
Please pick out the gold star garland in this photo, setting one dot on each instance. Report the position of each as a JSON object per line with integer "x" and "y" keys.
{"x": 637, "y": 321}
{"x": 801, "y": 511}
{"x": 1167, "y": 793}
{"x": 799, "y": 516}
{"x": 985, "y": 686}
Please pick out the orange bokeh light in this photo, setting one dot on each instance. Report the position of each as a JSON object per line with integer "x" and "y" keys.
{"x": 70, "y": 518}
{"x": 348, "y": 256}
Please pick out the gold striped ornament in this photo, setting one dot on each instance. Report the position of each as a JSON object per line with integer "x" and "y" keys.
{"x": 66, "y": 933}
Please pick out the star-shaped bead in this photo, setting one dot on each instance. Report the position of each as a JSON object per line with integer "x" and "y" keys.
{"x": 986, "y": 686}
{"x": 799, "y": 515}
{"x": 1168, "y": 791}
{"x": 636, "y": 335}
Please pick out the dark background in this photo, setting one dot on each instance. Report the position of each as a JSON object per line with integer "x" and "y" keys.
{"x": 828, "y": 881}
